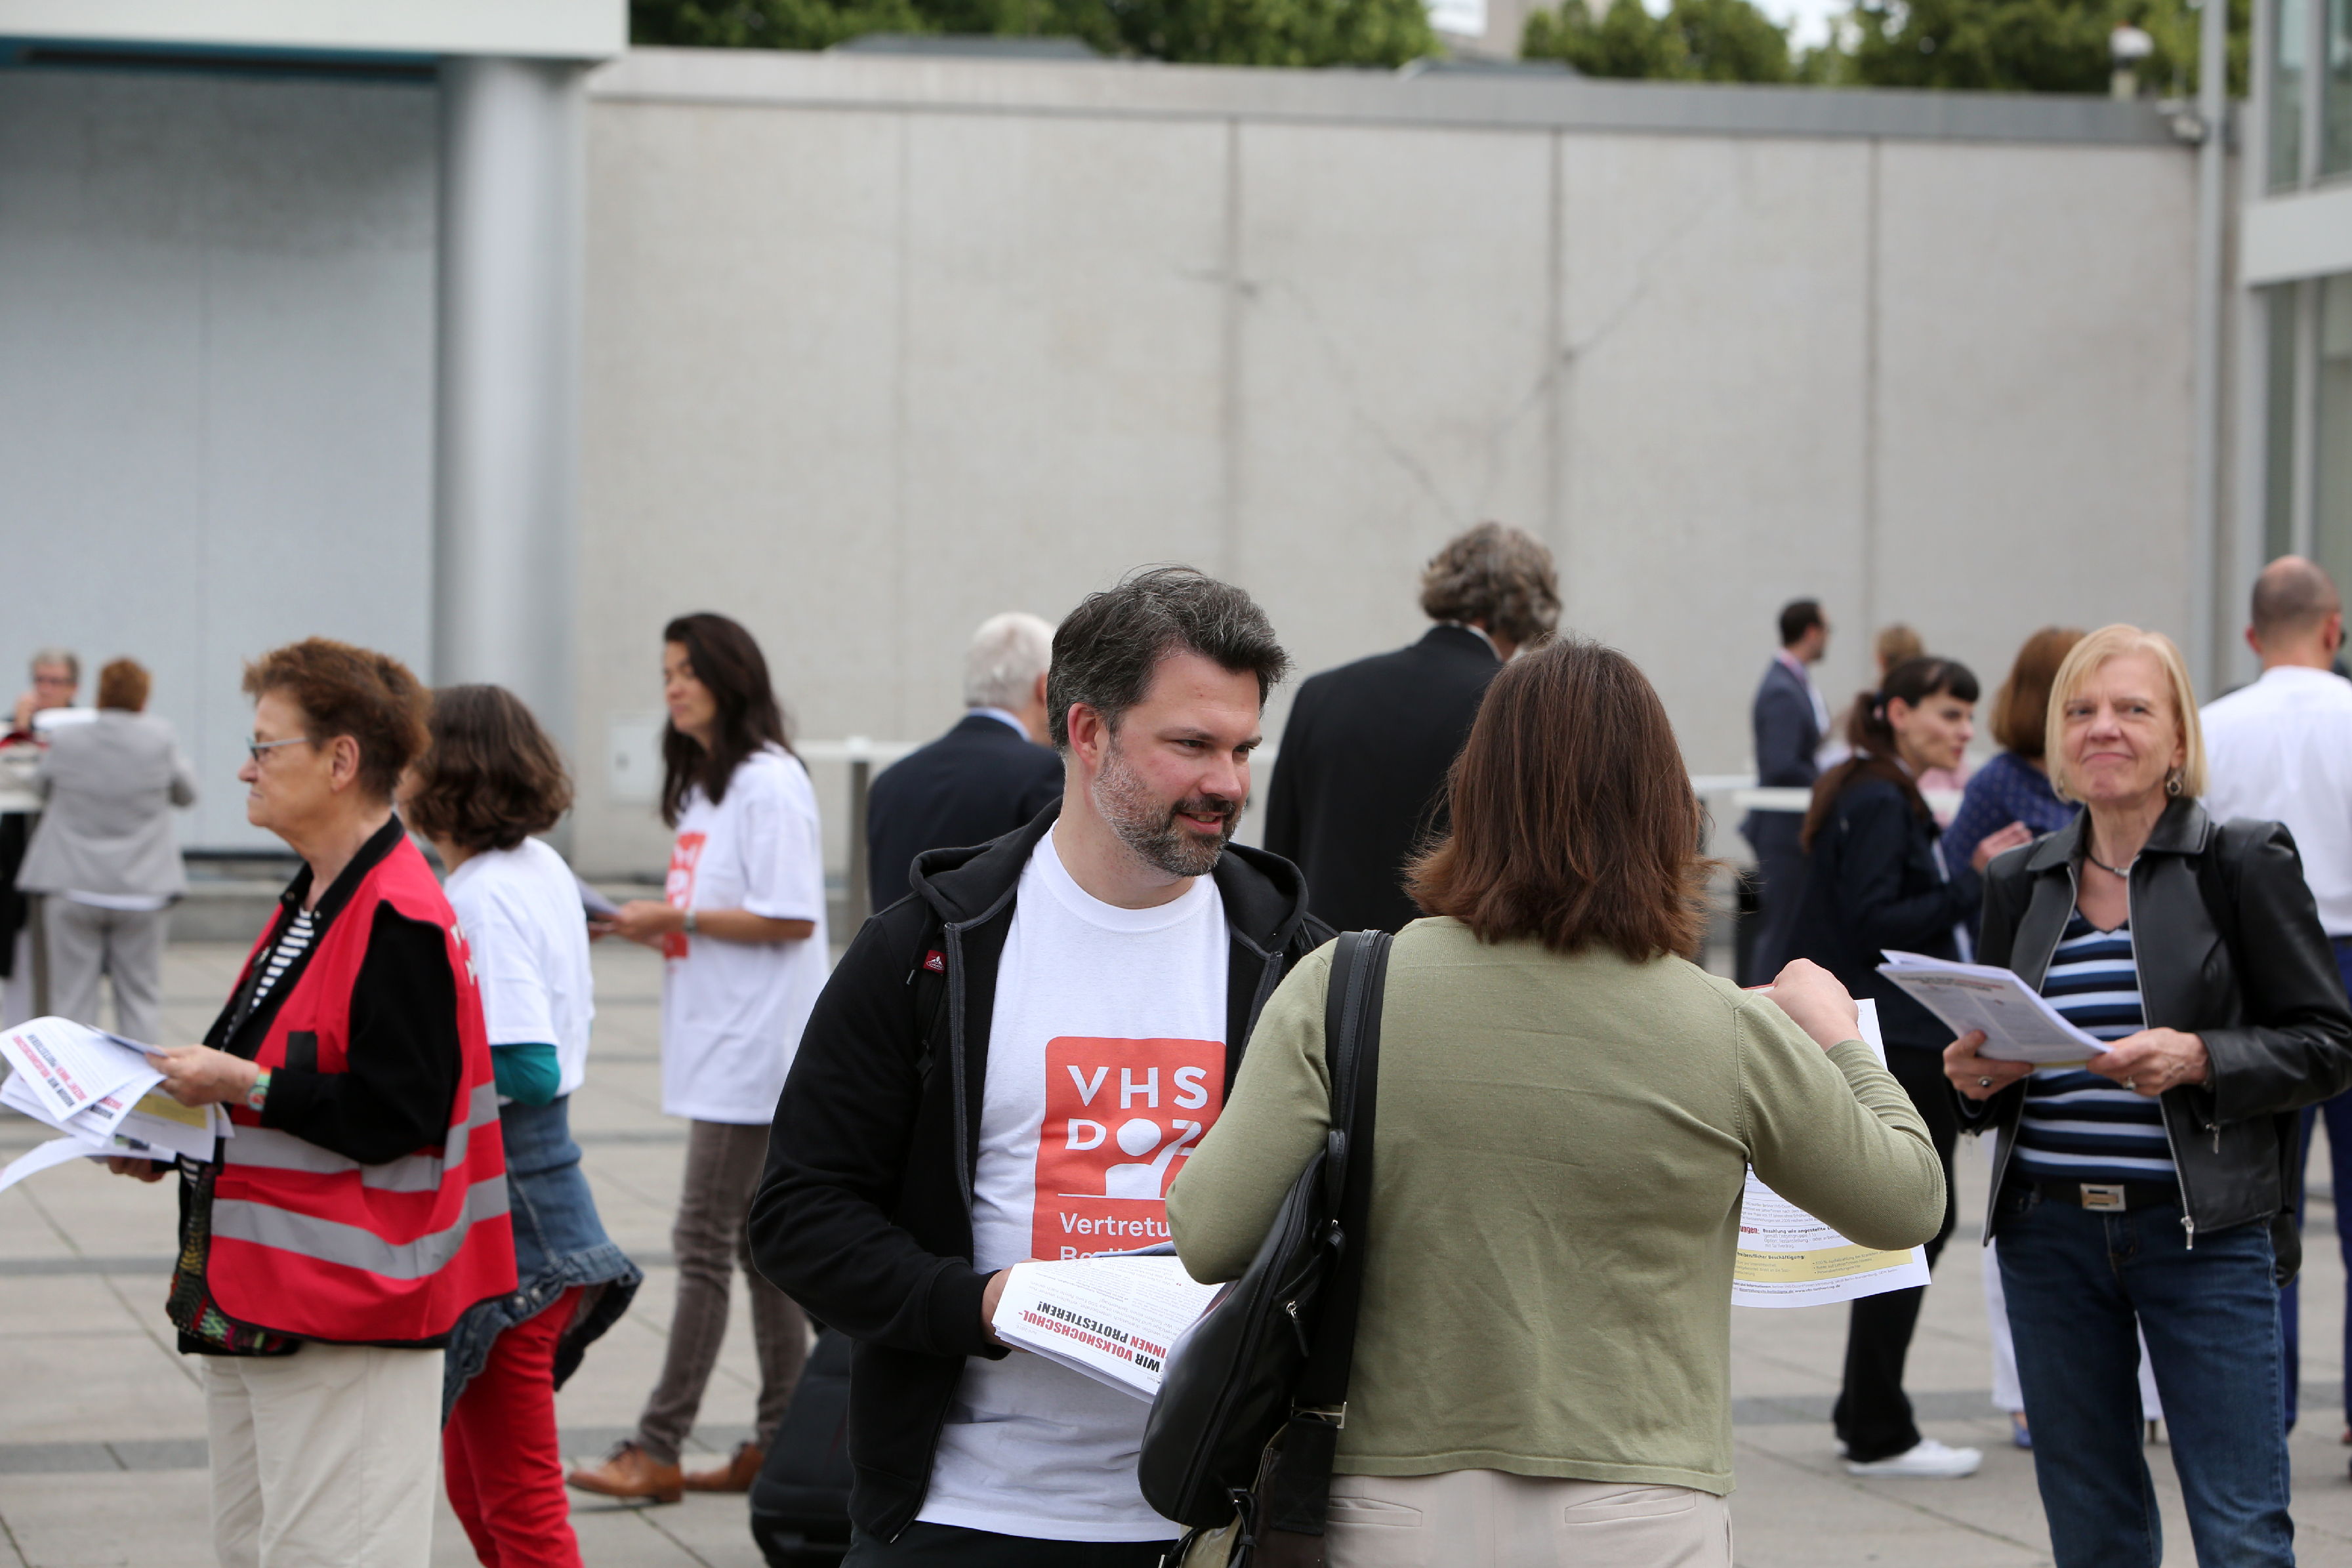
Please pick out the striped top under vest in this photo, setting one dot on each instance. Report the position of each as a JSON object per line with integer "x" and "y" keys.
{"x": 291, "y": 944}
{"x": 2078, "y": 1126}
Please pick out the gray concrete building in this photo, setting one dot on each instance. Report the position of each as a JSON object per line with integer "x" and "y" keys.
{"x": 868, "y": 347}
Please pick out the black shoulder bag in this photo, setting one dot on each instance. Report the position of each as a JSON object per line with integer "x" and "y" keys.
{"x": 1249, "y": 1411}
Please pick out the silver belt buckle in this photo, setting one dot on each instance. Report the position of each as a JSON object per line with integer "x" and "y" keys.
{"x": 2102, "y": 1195}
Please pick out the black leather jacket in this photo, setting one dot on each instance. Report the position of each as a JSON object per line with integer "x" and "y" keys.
{"x": 2228, "y": 945}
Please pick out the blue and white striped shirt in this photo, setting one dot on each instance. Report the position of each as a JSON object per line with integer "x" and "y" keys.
{"x": 2078, "y": 1126}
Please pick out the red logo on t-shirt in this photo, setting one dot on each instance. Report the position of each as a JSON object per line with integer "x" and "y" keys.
{"x": 677, "y": 888}
{"x": 1121, "y": 1117}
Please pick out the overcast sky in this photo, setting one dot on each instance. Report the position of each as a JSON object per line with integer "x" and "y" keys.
{"x": 1811, "y": 19}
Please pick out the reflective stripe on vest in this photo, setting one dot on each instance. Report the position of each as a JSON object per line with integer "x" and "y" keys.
{"x": 268, "y": 1148}
{"x": 330, "y": 1241}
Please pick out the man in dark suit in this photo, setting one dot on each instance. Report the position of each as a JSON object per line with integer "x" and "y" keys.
{"x": 1791, "y": 721}
{"x": 985, "y": 778}
{"x": 1359, "y": 783}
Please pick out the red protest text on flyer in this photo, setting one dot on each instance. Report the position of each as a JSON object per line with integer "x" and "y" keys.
{"x": 1121, "y": 1117}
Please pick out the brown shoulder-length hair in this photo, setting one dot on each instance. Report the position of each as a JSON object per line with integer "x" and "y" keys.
{"x": 2020, "y": 708}
{"x": 1574, "y": 821}
{"x": 492, "y": 778}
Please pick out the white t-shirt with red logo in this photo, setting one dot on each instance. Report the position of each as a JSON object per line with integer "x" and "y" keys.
{"x": 732, "y": 1011}
{"x": 1106, "y": 1063}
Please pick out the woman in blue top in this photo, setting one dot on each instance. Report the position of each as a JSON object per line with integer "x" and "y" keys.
{"x": 2015, "y": 785}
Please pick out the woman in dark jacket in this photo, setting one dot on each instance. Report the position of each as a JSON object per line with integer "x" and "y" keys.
{"x": 1877, "y": 879}
{"x": 2146, "y": 1183}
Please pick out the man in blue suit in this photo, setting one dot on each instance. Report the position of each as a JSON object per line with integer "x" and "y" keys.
{"x": 1791, "y": 721}
{"x": 984, "y": 778}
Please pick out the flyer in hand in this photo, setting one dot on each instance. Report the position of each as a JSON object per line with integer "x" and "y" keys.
{"x": 1788, "y": 1259}
{"x": 1114, "y": 1319}
{"x": 57, "y": 1063}
{"x": 2018, "y": 1023}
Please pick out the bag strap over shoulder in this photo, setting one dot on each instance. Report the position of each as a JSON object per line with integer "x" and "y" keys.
{"x": 1297, "y": 1487}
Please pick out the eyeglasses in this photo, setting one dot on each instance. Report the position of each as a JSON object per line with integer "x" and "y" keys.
{"x": 254, "y": 748}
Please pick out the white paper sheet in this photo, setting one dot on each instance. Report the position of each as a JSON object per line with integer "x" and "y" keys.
{"x": 1788, "y": 1259}
{"x": 2020, "y": 1024}
{"x": 47, "y": 1156}
{"x": 70, "y": 1065}
{"x": 151, "y": 1126}
{"x": 1113, "y": 1319}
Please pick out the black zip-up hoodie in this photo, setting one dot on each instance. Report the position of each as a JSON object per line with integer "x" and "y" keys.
{"x": 865, "y": 1214}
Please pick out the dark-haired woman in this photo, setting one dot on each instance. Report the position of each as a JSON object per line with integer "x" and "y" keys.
{"x": 2015, "y": 787}
{"x": 1567, "y": 1110}
{"x": 1878, "y": 879}
{"x": 491, "y": 779}
{"x": 742, "y": 927}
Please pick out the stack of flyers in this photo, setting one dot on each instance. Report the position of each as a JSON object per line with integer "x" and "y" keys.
{"x": 100, "y": 1090}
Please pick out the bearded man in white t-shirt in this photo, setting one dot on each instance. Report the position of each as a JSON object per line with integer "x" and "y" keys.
{"x": 1012, "y": 1065}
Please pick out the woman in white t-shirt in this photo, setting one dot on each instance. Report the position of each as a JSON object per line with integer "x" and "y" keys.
{"x": 490, "y": 781}
{"x": 743, "y": 927}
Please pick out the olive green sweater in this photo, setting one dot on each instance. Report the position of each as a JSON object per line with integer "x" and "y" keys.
{"x": 1561, "y": 1149}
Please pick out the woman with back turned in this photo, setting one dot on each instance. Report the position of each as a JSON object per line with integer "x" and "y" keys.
{"x": 2148, "y": 1185}
{"x": 742, "y": 931}
{"x": 1567, "y": 1109}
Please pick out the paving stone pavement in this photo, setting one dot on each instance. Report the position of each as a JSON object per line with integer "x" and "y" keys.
{"x": 101, "y": 1425}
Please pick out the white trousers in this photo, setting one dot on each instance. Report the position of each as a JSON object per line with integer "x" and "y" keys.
{"x": 1488, "y": 1519}
{"x": 325, "y": 1458}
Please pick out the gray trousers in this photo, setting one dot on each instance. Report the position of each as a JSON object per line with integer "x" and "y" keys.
{"x": 723, "y": 1165}
{"x": 124, "y": 945}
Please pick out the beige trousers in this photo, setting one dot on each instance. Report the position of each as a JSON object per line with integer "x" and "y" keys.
{"x": 326, "y": 1458}
{"x": 1487, "y": 1518}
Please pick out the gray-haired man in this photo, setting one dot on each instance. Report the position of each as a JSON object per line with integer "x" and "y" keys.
{"x": 988, "y": 775}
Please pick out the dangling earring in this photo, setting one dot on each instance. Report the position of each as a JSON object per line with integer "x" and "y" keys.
{"x": 2173, "y": 784}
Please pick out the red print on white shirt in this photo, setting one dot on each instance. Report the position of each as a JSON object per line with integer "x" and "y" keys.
{"x": 1121, "y": 1117}
{"x": 677, "y": 888}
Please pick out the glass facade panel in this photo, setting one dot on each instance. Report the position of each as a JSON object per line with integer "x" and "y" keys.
{"x": 2289, "y": 44}
{"x": 2335, "y": 100}
{"x": 2332, "y": 432}
{"x": 2278, "y": 421}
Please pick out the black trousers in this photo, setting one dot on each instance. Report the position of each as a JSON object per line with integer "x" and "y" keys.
{"x": 1780, "y": 876}
{"x": 1873, "y": 1414}
{"x": 952, "y": 1546}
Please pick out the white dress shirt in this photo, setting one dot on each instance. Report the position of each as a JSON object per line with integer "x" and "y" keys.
{"x": 2281, "y": 749}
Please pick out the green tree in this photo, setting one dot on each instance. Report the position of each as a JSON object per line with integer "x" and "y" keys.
{"x": 1213, "y": 32}
{"x": 2030, "y": 45}
{"x": 1695, "y": 40}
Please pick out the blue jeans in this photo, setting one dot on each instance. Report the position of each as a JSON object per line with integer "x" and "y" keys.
{"x": 2077, "y": 1282}
{"x": 2338, "y": 1112}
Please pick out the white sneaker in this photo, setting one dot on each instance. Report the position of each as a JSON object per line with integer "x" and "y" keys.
{"x": 1929, "y": 1459}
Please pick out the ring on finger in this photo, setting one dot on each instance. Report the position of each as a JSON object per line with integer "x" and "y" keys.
{"x": 1984, "y": 1083}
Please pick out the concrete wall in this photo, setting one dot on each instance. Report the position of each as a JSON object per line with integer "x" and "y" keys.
{"x": 878, "y": 347}
{"x": 215, "y": 382}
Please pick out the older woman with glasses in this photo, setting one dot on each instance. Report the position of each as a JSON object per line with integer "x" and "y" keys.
{"x": 331, "y": 1245}
{"x": 2145, "y": 1185}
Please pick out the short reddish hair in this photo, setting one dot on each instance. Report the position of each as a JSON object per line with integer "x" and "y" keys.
{"x": 355, "y": 691}
{"x": 1574, "y": 821}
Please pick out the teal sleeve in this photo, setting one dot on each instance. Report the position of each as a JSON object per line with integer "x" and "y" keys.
{"x": 526, "y": 1071}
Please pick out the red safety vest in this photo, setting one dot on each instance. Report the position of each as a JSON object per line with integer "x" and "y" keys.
{"x": 307, "y": 1242}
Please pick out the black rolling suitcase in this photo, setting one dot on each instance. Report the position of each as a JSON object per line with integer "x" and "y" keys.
{"x": 800, "y": 1504}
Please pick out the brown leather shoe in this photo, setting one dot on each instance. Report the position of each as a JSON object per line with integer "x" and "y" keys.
{"x": 735, "y": 1476}
{"x": 628, "y": 1471}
